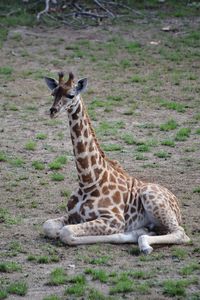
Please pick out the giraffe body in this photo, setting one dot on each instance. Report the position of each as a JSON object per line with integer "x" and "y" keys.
{"x": 109, "y": 205}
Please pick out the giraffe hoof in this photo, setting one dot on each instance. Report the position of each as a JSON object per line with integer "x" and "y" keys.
{"x": 147, "y": 251}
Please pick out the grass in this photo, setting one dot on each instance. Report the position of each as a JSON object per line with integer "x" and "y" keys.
{"x": 196, "y": 190}
{"x": 179, "y": 253}
{"x": 38, "y": 165}
{"x": 112, "y": 147}
{"x": 172, "y": 105}
{"x": 183, "y": 134}
{"x": 43, "y": 259}
{"x": 6, "y": 70}
{"x": 9, "y": 267}
{"x": 57, "y": 277}
{"x": 128, "y": 139}
{"x": 169, "y": 143}
{"x": 174, "y": 288}
{"x": 17, "y": 162}
{"x": 99, "y": 260}
{"x": 162, "y": 154}
{"x": 98, "y": 274}
{"x": 77, "y": 289}
{"x": 7, "y": 218}
{"x": 18, "y": 288}
{"x": 51, "y": 297}
{"x": 3, "y": 294}
{"x": 65, "y": 193}
{"x": 41, "y": 136}
{"x": 3, "y": 156}
{"x": 169, "y": 125}
{"x": 189, "y": 269}
{"x": 124, "y": 285}
{"x": 57, "y": 177}
{"x": 30, "y": 145}
{"x": 143, "y": 148}
{"x": 137, "y": 79}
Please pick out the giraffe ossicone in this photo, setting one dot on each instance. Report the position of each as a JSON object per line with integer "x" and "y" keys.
{"x": 109, "y": 205}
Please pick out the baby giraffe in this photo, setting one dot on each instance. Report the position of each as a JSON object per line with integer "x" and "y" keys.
{"x": 109, "y": 205}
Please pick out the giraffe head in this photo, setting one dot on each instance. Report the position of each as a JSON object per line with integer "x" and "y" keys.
{"x": 66, "y": 94}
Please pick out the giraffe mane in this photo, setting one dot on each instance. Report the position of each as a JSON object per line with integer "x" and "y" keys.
{"x": 114, "y": 163}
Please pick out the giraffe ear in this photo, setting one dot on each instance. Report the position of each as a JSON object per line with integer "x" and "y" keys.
{"x": 81, "y": 86}
{"x": 51, "y": 83}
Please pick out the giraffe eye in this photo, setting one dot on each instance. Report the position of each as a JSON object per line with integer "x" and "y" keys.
{"x": 69, "y": 96}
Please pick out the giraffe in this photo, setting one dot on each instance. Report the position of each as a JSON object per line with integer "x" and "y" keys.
{"x": 109, "y": 205}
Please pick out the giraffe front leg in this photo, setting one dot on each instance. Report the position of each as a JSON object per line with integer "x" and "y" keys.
{"x": 52, "y": 227}
{"x": 97, "y": 231}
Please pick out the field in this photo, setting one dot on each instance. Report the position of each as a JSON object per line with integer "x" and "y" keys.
{"x": 143, "y": 100}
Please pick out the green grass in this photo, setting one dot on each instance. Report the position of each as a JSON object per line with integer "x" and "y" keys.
{"x": 30, "y": 145}
{"x": 3, "y": 294}
{"x": 17, "y": 162}
{"x": 196, "y": 190}
{"x": 177, "y": 288}
{"x": 9, "y": 267}
{"x": 124, "y": 285}
{"x": 143, "y": 148}
{"x": 43, "y": 259}
{"x": 183, "y": 134}
{"x": 98, "y": 274}
{"x": 55, "y": 165}
{"x": 18, "y": 288}
{"x": 169, "y": 143}
{"x": 77, "y": 289}
{"x": 189, "y": 269}
{"x": 162, "y": 154}
{"x": 57, "y": 277}
{"x": 65, "y": 193}
{"x": 51, "y": 297}
{"x": 41, "y": 136}
{"x": 7, "y": 218}
{"x": 128, "y": 139}
{"x": 197, "y": 131}
{"x": 112, "y": 147}
{"x": 3, "y": 37}
{"x": 3, "y": 156}
{"x": 173, "y": 105}
{"x": 179, "y": 253}
{"x": 6, "y": 70}
{"x": 137, "y": 79}
{"x": 169, "y": 125}
{"x": 57, "y": 177}
{"x": 38, "y": 165}
{"x": 99, "y": 260}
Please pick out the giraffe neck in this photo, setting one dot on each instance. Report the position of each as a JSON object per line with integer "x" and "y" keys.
{"x": 89, "y": 157}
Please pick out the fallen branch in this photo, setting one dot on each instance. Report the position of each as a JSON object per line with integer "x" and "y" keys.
{"x": 46, "y": 10}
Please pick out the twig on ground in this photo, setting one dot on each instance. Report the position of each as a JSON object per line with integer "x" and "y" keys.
{"x": 46, "y": 10}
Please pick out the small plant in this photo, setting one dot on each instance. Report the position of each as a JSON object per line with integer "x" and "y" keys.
{"x": 57, "y": 177}
{"x": 57, "y": 277}
{"x": 100, "y": 260}
{"x": 137, "y": 79}
{"x": 173, "y": 105}
{"x": 3, "y": 156}
{"x": 17, "y": 162}
{"x": 3, "y": 294}
{"x": 179, "y": 253}
{"x": 6, "y": 70}
{"x": 124, "y": 285}
{"x": 65, "y": 193}
{"x": 169, "y": 125}
{"x": 51, "y": 297}
{"x": 196, "y": 190}
{"x": 112, "y": 147}
{"x": 30, "y": 145}
{"x": 9, "y": 267}
{"x": 162, "y": 154}
{"x": 18, "y": 288}
{"x": 189, "y": 269}
{"x": 41, "y": 136}
{"x": 197, "y": 131}
{"x": 77, "y": 289}
{"x": 143, "y": 148}
{"x": 183, "y": 134}
{"x": 55, "y": 165}
{"x": 169, "y": 143}
{"x": 97, "y": 274}
{"x": 128, "y": 139}
{"x": 38, "y": 165}
{"x": 175, "y": 287}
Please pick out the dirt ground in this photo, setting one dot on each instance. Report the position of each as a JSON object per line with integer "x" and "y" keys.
{"x": 134, "y": 70}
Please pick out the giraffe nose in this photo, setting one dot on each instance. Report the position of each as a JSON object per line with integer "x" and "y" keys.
{"x": 53, "y": 111}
